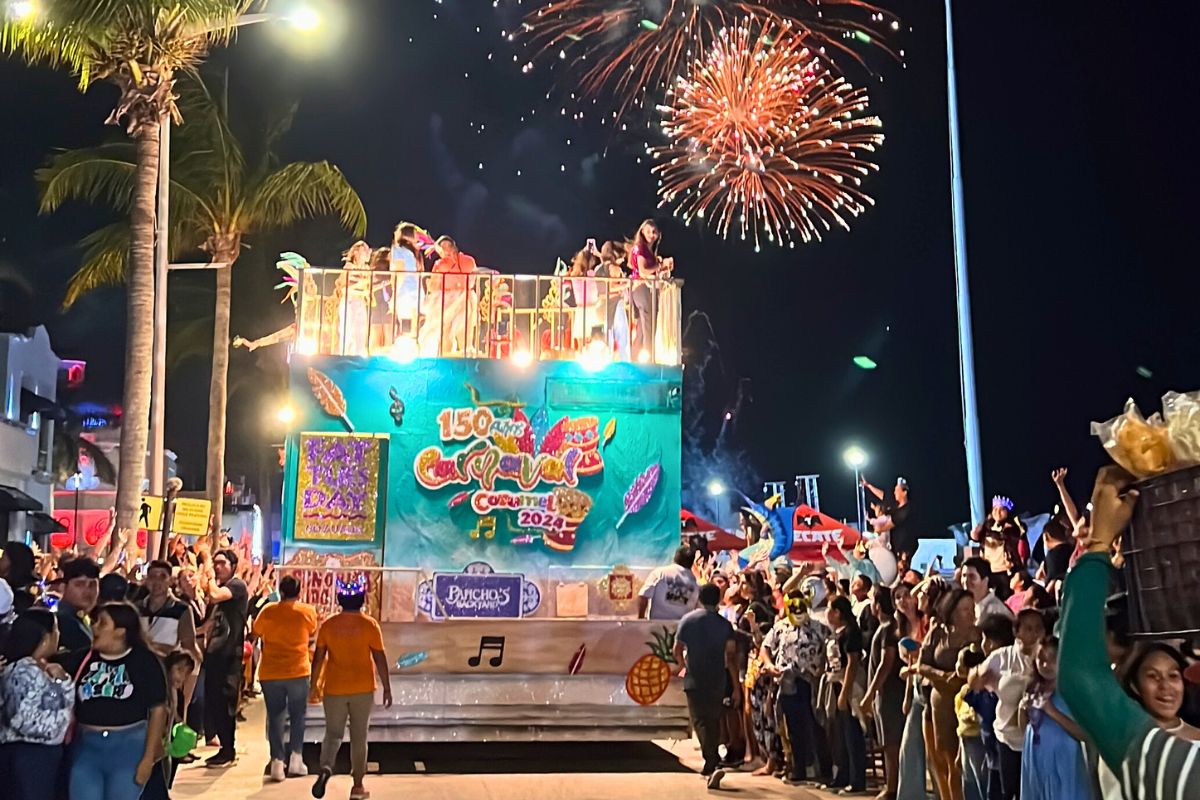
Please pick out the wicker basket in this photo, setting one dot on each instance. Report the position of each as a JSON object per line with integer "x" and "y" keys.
{"x": 1162, "y": 556}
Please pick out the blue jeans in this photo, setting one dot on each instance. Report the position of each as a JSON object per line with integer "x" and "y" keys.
{"x": 288, "y": 697}
{"x": 103, "y": 763}
{"x": 797, "y": 711}
{"x": 974, "y": 768}
{"x": 912, "y": 754}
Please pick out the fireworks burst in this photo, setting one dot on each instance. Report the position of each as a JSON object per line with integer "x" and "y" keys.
{"x": 635, "y": 48}
{"x": 764, "y": 139}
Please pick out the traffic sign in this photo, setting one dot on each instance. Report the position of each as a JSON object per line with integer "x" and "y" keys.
{"x": 150, "y": 513}
{"x": 191, "y": 516}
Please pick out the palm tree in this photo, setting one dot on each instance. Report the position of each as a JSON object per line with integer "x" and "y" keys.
{"x": 217, "y": 200}
{"x": 139, "y": 46}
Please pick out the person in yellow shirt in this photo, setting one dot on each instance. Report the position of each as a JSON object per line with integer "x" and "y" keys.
{"x": 349, "y": 644}
{"x": 286, "y": 629}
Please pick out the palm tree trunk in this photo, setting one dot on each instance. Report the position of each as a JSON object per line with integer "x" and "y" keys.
{"x": 139, "y": 337}
{"x": 218, "y": 390}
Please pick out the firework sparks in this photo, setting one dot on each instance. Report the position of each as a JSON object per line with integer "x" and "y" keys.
{"x": 765, "y": 140}
{"x": 635, "y": 48}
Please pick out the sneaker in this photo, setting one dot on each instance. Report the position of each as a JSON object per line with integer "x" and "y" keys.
{"x": 221, "y": 760}
{"x": 296, "y": 767}
{"x": 278, "y": 773}
{"x": 848, "y": 792}
{"x": 714, "y": 780}
{"x": 318, "y": 789}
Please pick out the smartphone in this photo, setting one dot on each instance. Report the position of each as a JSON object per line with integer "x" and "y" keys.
{"x": 591, "y": 245}
{"x": 256, "y": 561}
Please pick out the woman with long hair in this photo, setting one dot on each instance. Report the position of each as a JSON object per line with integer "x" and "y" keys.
{"x": 381, "y": 300}
{"x": 912, "y": 625}
{"x": 756, "y": 622}
{"x": 353, "y": 292}
{"x": 1052, "y": 763}
{"x": 953, "y": 630}
{"x": 36, "y": 698}
{"x": 646, "y": 267}
{"x": 120, "y": 708}
{"x": 884, "y": 699}
{"x": 846, "y": 682}
{"x": 18, "y": 567}
{"x": 406, "y": 257}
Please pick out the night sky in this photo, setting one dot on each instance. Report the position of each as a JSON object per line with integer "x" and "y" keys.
{"x": 1079, "y": 170}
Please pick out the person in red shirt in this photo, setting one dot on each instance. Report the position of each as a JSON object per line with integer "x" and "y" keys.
{"x": 448, "y": 327}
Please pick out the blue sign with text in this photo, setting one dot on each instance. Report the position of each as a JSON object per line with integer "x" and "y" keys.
{"x": 476, "y": 596}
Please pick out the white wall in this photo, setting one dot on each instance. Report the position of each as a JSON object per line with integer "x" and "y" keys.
{"x": 26, "y": 362}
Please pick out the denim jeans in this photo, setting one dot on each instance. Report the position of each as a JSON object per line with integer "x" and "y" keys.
{"x": 27, "y": 770}
{"x": 912, "y": 754}
{"x": 290, "y": 698}
{"x": 974, "y": 768}
{"x": 103, "y": 763}
{"x": 797, "y": 711}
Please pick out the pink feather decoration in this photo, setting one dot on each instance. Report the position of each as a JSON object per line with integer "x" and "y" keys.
{"x": 640, "y": 492}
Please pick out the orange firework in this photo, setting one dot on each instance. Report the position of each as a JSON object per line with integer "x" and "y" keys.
{"x": 765, "y": 140}
{"x": 636, "y": 47}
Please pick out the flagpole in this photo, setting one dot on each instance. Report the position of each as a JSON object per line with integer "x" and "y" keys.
{"x": 966, "y": 355}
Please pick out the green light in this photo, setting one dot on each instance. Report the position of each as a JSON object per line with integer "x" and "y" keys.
{"x": 648, "y": 25}
{"x": 1145, "y": 373}
{"x": 865, "y": 362}
{"x": 862, "y": 37}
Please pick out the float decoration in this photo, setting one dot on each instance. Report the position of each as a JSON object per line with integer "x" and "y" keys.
{"x": 640, "y": 491}
{"x": 650, "y": 675}
{"x": 397, "y": 407}
{"x": 609, "y": 429}
{"x": 478, "y": 592}
{"x": 329, "y": 396}
{"x": 619, "y": 586}
{"x": 409, "y": 660}
{"x": 577, "y": 660}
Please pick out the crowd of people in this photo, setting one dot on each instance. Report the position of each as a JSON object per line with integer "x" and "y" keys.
{"x": 944, "y": 683}
{"x": 109, "y": 680}
{"x": 417, "y": 291}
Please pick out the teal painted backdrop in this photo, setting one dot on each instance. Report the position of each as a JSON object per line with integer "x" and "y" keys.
{"x": 431, "y": 528}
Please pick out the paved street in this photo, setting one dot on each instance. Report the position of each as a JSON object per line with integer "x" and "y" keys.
{"x": 580, "y": 771}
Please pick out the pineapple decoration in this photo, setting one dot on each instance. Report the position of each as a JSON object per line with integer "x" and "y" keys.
{"x": 650, "y": 675}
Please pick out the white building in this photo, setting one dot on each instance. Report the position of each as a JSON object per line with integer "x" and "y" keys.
{"x": 27, "y": 408}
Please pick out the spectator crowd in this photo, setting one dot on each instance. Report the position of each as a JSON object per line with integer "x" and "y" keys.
{"x": 941, "y": 684}
{"x": 110, "y": 680}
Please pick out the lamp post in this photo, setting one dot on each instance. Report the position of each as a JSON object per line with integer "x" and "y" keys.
{"x": 303, "y": 18}
{"x": 966, "y": 350}
{"x": 856, "y": 458}
{"x": 716, "y": 489}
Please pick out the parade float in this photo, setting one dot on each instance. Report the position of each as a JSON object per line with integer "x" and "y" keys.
{"x": 503, "y": 498}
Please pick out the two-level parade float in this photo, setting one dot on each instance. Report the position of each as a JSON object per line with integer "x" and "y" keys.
{"x": 499, "y": 457}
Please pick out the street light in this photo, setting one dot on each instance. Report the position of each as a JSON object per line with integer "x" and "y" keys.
{"x": 856, "y": 458}
{"x": 302, "y": 17}
{"x": 716, "y": 489}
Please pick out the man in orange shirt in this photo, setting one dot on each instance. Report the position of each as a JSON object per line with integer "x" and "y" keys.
{"x": 286, "y": 629}
{"x": 349, "y": 644}
{"x": 448, "y": 308}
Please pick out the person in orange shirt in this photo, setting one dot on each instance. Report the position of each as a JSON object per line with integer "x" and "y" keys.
{"x": 286, "y": 629}
{"x": 349, "y": 644}
{"x": 448, "y": 305}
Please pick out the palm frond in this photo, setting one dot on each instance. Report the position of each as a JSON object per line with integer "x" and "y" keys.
{"x": 104, "y": 254}
{"x": 209, "y": 148}
{"x": 303, "y": 190}
{"x": 103, "y": 175}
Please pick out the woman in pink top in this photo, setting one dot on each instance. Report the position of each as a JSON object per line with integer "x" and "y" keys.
{"x": 645, "y": 266}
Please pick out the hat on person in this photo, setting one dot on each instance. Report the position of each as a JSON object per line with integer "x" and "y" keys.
{"x": 782, "y": 562}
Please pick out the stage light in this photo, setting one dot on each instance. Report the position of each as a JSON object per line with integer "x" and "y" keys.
{"x": 404, "y": 351}
{"x": 521, "y": 358}
{"x": 286, "y": 414}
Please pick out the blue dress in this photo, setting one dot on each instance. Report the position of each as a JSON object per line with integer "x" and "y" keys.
{"x": 1052, "y": 763}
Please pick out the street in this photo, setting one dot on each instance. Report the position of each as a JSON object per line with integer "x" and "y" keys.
{"x": 496, "y": 771}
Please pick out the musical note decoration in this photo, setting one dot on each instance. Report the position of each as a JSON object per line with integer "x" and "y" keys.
{"x": 329, "y": 396}
{"x": 641, "y": 491}
{"x": 397, "y": 407}
{"x": 490, "y": 644}
{"x": 485, "y": 527}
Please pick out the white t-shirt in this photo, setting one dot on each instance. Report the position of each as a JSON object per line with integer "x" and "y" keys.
{"x": 672, "y": 592}
{"x": 1006, "y": 669}
{"x": 989, "y": 605}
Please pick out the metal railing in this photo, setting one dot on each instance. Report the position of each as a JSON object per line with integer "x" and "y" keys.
{"x": 408, "y": 315}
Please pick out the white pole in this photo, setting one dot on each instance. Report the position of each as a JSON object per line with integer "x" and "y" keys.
{"x": 966, "y": 356}
{"x": 158, "y": 380}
